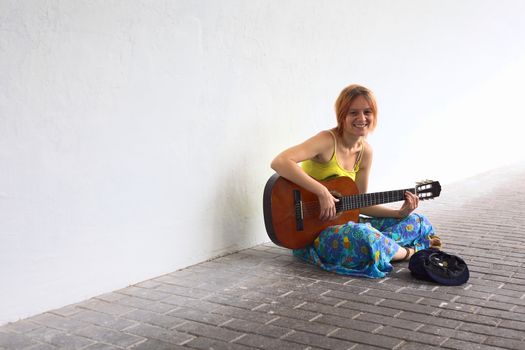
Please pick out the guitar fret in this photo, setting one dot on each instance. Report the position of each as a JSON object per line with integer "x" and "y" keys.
{"x": 371, "y": 199}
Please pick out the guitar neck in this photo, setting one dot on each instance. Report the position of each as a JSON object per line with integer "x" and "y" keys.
{"x": 369, "y": 199}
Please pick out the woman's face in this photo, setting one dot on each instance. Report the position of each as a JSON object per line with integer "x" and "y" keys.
{"x": 359, "y": 117}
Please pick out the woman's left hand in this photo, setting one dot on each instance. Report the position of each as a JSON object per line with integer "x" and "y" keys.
{"x": 410, "y": 204}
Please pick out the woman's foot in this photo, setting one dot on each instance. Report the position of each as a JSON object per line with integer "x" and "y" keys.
{"x": 435, "y": 242}
{"x": 408, "y": 254}
{"x": 403, "y": 254}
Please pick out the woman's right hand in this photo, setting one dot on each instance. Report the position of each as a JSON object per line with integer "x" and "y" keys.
{"x": 327, "y": 205}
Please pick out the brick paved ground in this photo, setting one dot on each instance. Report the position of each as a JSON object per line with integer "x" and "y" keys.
{"x": 262, "y": 298}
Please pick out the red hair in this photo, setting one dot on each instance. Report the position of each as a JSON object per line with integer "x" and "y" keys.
{"x": 345, "y": 99}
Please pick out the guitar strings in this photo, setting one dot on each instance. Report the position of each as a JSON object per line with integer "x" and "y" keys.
{"x": 358, "y": 201}
{"x": 312, "y": 208}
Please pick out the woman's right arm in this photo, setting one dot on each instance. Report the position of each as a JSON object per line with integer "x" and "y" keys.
{"x": 286, "y": 165}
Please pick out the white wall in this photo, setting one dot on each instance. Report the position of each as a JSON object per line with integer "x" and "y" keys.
{"x": 136, "y": 136}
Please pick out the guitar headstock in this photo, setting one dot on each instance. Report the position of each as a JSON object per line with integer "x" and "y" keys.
{"x": 428, "y": 189}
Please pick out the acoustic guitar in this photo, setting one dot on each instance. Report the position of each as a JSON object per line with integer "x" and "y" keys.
{"x": 291, "y": 213}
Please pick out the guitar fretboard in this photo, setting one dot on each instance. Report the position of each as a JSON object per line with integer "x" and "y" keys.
{"x": 370, "y": 199}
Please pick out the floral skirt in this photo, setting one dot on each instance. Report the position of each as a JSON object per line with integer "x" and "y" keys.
{"x": 366, "y": 248}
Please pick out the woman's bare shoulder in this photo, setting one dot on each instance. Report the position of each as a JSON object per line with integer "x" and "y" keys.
{"x": 322, "y": 139}
{"x": 367, "y": 148}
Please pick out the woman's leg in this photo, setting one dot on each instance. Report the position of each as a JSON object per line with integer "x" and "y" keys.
{"x": 413, "y": 231}
{"x": 352, "y": 249}
{"x": 403, "y": 254}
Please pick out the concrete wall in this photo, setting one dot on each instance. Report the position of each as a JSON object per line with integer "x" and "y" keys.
{"x": 136, "y": 136}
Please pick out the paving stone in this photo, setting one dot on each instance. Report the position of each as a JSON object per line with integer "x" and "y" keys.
{"x": 369, "y": 308}
{"x": 59, "y": 339}
{"x": 154, "y": 344}
{"x": 432, "y": 320}
{"x": 45, "y": 347}
{"x": 348, "y": 323}
{"x": 110, "y": 297}
{"x": 474, "y": 318}
{"x": 110, "y": 336}
{"x": 66, "y": 310}
{"x": 201, "y": 329}
{"x": 144, "y": 293}
{"x": 489, "y": 330}
{"x": 401, "y": 305}
{"x": 231, "y": 300}
{"x": 418, "y": 346}
{"x": 183, "y": 291}
{"x": 417, "y": 294}
{"x": 102, "y": 319}
{"x": 463, "y": 345}
{"x": 59, "y": 322}
{"x": 388, "y": 321}
{"x": 277, "y": 310}
{"x": 359, "y": 285}
{"x": 152, "y": 284}
{"x": 506, "y": 343}
{"x": 158, "y": 333}
{"x": 366, "y": 347}
{"x": 143, "y": 304}
{"x": 513, "y": 325}
{"x": 506, "y": 299}
{"x": 100, "y": 346}
{"x": 516, "y": 289}
{"x": 22, "y": 326}
{"x": 360, "y": 298}
{"x": 287, "y": 300}
{"x": 16, "y": 341}
{"x": 208, "y": 344}
{"x": 419, "y": 337}
{"x": 314, "y": 327}
{"x": 382, "y": 294}
{"x": 106, "y": 307}
{"x": 502, "y": 314}
{"x": 453, "y": 333}
{"x": 323, "y": 343}
{"x": 310, "y": 297}
{"x": 153, "y": 318}
{"x": 243, "y": 326}
{"x": 328, "y": 310}
{"x": 440, "y": 304}
{"x": 267, "y": 343}
{"x": 243, "y": 314}
{"x": 197, "y": 304}
{"x": 367, "y": 338}
{"x": 199, "y": 316}
{"x": 486, "y": 303}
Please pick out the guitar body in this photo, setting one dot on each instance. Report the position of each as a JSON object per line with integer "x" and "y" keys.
{"x": 281, "y": 216}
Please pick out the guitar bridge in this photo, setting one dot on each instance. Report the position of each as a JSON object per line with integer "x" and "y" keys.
{"x": 299, "y": 217}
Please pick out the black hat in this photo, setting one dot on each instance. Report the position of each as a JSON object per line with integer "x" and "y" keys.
{"x": 434, "y": 265}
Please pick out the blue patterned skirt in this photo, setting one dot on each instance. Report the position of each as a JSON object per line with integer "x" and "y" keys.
{"x": 366, "y": 248}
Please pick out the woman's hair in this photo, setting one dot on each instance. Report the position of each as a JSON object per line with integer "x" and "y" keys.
{"x": 345, "y": 99}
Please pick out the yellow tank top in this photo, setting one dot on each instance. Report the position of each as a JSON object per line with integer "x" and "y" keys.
{"x": 323, "y": 171}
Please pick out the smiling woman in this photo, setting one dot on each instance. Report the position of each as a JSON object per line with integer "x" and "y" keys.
{"x": 352, "y": 101}
{"x": 367, "y": 247}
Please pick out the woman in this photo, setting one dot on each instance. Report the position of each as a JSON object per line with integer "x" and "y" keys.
{"x": 365, "y": 248}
